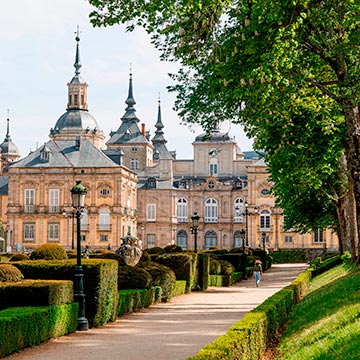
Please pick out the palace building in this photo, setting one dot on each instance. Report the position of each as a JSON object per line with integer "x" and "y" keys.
{"x": 135, "y": 184}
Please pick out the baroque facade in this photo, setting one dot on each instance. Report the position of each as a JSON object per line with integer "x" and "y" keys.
{"x": 136, "y": 185}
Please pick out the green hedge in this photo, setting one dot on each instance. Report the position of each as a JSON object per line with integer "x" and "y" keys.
{"x": 36, "y": 293}
{"x": 133, "y": 300}
{"x": 247, "y": 338}
{"x": 319, "y": 266}
{"x": 180, "y": 287}
{"x": 21, "y": 327}
{"x": 100, "y": 283}
{"x": 288, "y": 256}
{"x": 225, "y": 280}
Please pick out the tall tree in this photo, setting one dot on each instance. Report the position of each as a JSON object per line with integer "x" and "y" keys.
{"x": 239, "y": 56}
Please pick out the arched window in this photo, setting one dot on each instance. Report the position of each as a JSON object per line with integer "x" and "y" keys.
{"x": 211, "y": 211}
{"x": 238, "y": 211}
{"x": 265, "y": 220}
{"x": 214, "y": 169}
{"x": 182, "y": 239}
{"x": 182, "y": 210}
{"x": 238, "y": 239}
{"x": 104, "y": 220}
{"x": 210, "y": 239}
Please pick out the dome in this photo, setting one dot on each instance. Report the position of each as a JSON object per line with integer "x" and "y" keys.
{"x": 214, "y": 136}
{"x": 9, "y": 148}
{"x": 76, "y": 119}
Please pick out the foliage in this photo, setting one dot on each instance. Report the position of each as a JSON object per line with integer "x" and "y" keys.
{"x": 133, "y": 277}
{"x": 215, "y": 267}
{"x": 19, "y": 257}
{"x": 49, "y": 252}
{"x": 161, "y": 276}
{"x": 288, "y": 71}
{"x": 226, "y": 267}
{"x": 155, "y": 250}
{"x": 29, "y": 326}
{"x": 10, "y": 273}
{"x": 288, "y": 256}
{"x": 332, "y": 331}
{"x": 173, "y": 248}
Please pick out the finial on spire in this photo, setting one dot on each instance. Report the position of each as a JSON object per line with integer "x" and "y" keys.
{"x": 8, "y": 126}
{"x": 130, "y": 99}
{"x": 77, "y": 64}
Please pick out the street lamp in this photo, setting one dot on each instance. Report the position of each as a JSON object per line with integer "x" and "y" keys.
{"x": 72, "y": 215}
{"x": 247, "y": 213}
{"x": 243, "y": 256}
{"x": 263, "y": 238}
{"x": 78, "y": 193}
{"x": 194, "y": 228}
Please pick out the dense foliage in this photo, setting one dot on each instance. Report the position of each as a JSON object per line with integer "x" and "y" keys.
{"x": 49, "y": 252}
{"x": 10, "y": 273}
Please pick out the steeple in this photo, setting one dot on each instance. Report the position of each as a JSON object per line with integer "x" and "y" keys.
{"x": 130, "y": 102}
{"x": 9, "y": 150}
{"x": 77, "y": 88}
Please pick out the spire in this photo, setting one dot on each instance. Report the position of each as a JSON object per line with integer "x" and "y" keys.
{"x": 159, "y": 125}
{"x": 8, "y": 138}
{"x": 130, "y": 102}
{"x": 77, "y": 64}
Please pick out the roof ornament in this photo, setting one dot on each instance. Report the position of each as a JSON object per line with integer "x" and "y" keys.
{"x": 130, "y": 101}
{"x": 77, "y": 64}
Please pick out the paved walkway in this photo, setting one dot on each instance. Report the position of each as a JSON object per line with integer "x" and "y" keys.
{"x": 168, "y": 331}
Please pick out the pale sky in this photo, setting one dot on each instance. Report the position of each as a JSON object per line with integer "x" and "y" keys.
{"x": 37, "y": 40}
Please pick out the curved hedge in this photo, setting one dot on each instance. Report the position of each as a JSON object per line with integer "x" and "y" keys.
{"x": 49, "y": 252}
{"x": 10, "y": 273}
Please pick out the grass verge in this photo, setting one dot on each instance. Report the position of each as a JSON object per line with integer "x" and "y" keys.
{"x": 326, "y": 323}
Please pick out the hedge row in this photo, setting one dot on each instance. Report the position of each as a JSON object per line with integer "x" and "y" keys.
{"x": 247, "y": 338}
{"x": 21, "y": 327}
{"x": 225, "y": 280}
{"x": 36, "y": 293}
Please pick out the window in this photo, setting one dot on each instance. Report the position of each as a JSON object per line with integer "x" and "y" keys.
{"x": 151, "y": 212}
{"x": 318, "y": 236}
{"x": 288, "y": 239}
{"x": 238, "y": 211}
{"x": 238, "y": 239}
{"x": 54, "y": 200}
{"x": 84, "y": 220}
{"x": 265, "y": 220}
{"x": 182, "y": 239}
{"x": 211, "y": 211}
{"x": 75, "y": 99}
{"x": 83, "y": 238}
{"x": 150, "y": 240}
{"x": 213, "y": 167}
{"x": 104, "y": 238}
{"x": 134, "y": 149}
{"x": 182, "y": 211}
{"x": 210, "y": 239}
{"x": 104, "y": 192}
{"x": 29, "y": 200}
{"x": 53, "y": 232}
{"x": 29, "y": 232}
{"x": 104, "y": 220}
{"x": 211, "y": 184}
{"x": 134, "y": 164}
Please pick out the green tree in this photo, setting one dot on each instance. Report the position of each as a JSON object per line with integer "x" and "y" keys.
{"x": 240, "y": 59}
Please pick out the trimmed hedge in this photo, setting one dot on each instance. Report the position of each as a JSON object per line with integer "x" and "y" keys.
{"x": 49, "y": 252}
{"x": 225, "y": 280}
{"x": 319, "y": 266}
{"x": 133, "y": 300}
{"x": 100, "y": 283}
{"x": 133, "y": 277}
{"x": 247, "y": 338}
{"x": 36, "y": 293}
{"x": 180, "y": 287}
{"x": 10, "y": 273}
{"x": 29, "y": 326}
{"x": 288, "y": 256}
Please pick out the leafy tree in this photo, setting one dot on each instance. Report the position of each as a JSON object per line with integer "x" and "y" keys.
{"x": 253, "y": 61}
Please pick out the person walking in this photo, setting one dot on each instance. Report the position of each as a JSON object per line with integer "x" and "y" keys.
{"x": 257, "y": 272}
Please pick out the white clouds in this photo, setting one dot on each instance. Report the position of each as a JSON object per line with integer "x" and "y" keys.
{"x": 36, "y": 62}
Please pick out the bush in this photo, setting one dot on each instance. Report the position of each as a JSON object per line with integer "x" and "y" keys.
{"x": 215, "y": 267}
{"x": 19, "y": 257}
{"x": 109, "y": 255}
{"x": 10, "y": 273}
{"x": 145, "y": 257}
{"x": 173, "y": 248}
{"x": 155, "y": 250}
{"x": 161, "y": 276}
{"x": 226, "y": 267}
{"x": 133, "y": 277}
{"x": 49, "y": 252}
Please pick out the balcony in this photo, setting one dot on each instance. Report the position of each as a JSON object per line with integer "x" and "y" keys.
{"x": 104, "y": 227}
{"x": 29, "y": 209}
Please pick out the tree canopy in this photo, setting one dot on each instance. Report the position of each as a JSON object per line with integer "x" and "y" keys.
{"x": 288, "y": 70}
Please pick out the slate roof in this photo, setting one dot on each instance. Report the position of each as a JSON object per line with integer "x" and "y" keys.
{"x": 4, "y": 185}
{"x": 66, "y": 154}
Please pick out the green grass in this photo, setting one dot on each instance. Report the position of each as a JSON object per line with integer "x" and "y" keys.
{"x": 326, "y": 324}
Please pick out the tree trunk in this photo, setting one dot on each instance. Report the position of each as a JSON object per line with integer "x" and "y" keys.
{"x": 352, "y": 119}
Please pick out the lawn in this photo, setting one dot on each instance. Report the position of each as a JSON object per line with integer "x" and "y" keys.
{"x": 325, "y": 324}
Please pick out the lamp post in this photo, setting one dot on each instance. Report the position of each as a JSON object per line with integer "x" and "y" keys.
{"x": 263, "y": 238}
{"x": 78, "y": 193}
{"x": 72, "y": 215}
{"x": 247, "y": 213}
{"x": 194, "y": 228}
{"x": 243, "y": 256}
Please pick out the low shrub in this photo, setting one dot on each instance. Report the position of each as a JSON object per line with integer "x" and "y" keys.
{"x": 133, "y": 277}
{"x": 173, "y": 249}
{"x": 226, "y": 267}
{"x": 10, "y": 273}
{"x": 49, "y": 252}
{"x": 19, "y": 257}
{"x": 155, "y": 250}
{"x": 215, "y": 267}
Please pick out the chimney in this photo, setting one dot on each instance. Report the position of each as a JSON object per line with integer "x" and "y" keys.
{"x": 143, "y": 129}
